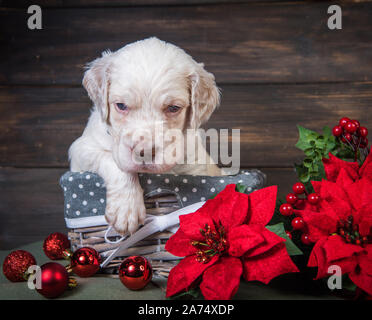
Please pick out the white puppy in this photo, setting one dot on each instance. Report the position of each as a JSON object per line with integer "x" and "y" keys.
{"x": 134, "y": 90}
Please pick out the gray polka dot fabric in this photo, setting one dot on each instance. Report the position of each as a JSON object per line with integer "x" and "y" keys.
{"x": 85, "y": 192}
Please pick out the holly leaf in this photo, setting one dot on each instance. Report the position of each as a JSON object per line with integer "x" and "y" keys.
{"x": 279, "y": 230}
{"x": 306, "y": 138}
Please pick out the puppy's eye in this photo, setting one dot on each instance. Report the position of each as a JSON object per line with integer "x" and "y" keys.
{"x": 173, "y": 109}
{"x": 121, "y": 107}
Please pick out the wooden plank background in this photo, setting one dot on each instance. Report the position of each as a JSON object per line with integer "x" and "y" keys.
{"x": 276, "y": 62}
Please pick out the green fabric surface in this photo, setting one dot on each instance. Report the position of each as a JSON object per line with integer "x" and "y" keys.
{"x": 101, "y": 287}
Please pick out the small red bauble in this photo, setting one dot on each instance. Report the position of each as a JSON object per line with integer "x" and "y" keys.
{"x": 16, "y": 264}
{"x": 363, "y": 131}
{"x": 305, "y": 239}
{"x": 364, "y": 143}
{"x": 298, "y": 223}
{"x": 286, "y": 209}
{"x": 289, "y": 234}
{"x": 351, "y": 127}
{"x": 313, "y": 198}
{"x": 54, "y": 280}
{"x": 356, "y": 122}
{"x": 337, "y": 131}
{"x": 343, "y": 121}
{"x": 55, "y": 245}
{"x": 135, "y": 272}
{"x": 85, "y": 262}
{"x": 291, "y": 198}
{"x": 299, "y": 188}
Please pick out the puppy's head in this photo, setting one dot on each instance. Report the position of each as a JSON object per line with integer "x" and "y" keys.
{"x": 149, "y": 92}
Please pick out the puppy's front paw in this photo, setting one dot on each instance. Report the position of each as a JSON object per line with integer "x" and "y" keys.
{"x": 125, "y": 212}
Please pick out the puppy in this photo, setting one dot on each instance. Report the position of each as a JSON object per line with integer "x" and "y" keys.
{"x": 142, "y": 86}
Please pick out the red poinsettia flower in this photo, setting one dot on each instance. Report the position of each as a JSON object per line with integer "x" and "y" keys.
{"x": 333, "y": 166}
{"x": 341, "y": 225}
{"x": 225, "y": 239}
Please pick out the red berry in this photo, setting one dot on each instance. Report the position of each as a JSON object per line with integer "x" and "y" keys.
{"x": 364, "y": 143}
{"x": 291, "y": 198}
{"x": 348, "y": 137}
{"x": 286, "y": 209}
{"x": 298, "y": 223}
{"x": 356, "y": 122}
{"x": 351, "y": 127}
{"x": 363, "y": 132}
{"x": 313, "y": 198}
{"x": 298, "y": 188}
{"x": 305, "y": 239}
{"x": 289, "y": 235}
{"x": 344, "y": 121}
{"x": 337, "y": 131}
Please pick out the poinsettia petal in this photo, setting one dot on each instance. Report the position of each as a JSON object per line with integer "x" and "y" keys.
{"x": 233, "y": 208}
{"x": 336, "y": 248}
{"x": 221, "y": 281}
{"x": 183, "y": 275}
{"x": 318, "y": 259}
{"x": 262, "y": 205}
{"x": 270, "y": 240}
{"x": 269, "y": 265}
{"x": 333, "y": 165}
{"x": 365, "y": 170}
{"x": 190, "y": 224}
{"x": 243, "y": 238}
{"x": 365, "y": 261}
{"x": 318, "y": 224}
{"x": 362, "y": 280}
{"x": 336, "y": 198}
{"x": 344, "y": 179}
{"x": 180, "y": 245}
{"x": 354, "y": 191}
{"x": 316, "y": 186}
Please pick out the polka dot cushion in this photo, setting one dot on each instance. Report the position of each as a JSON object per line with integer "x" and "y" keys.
{"x": 85, "y": 192}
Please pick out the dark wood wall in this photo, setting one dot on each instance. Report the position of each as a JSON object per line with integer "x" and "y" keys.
{"x": 277, "y": 63}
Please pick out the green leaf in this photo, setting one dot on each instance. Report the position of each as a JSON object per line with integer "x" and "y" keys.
{"x": 279, "y": 230}
{"x": 306, "y": 138}
{"x": 191, "y": 294}
{"x": 308, "y": 162}
{"x": 240, "y": 188}
{"x": 347, "y": 283}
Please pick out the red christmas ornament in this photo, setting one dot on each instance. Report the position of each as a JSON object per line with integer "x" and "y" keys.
{"x": 54, "y": 280}
{"x": 55, "y": 245}
{"x": 16, "y": 264}
{"x": 289, "y": 234}
{"x": 135, "y": 272}
{"x": 85, "y": 262}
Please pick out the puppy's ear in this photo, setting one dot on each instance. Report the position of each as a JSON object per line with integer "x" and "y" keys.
{"x": 205, "y": 96}
{"x": 96, "y": 83}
